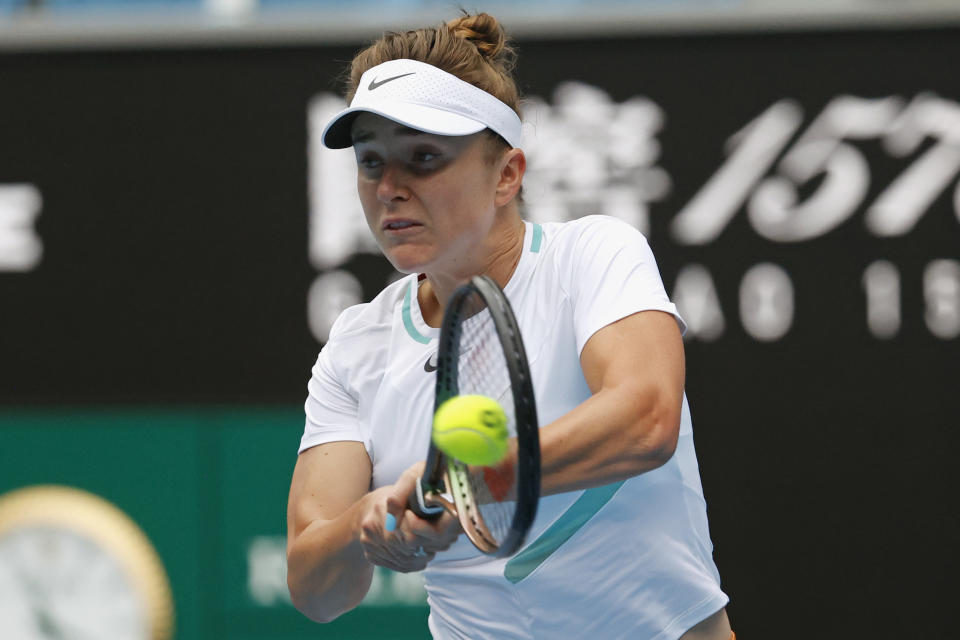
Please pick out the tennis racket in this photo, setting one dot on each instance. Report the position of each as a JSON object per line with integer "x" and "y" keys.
{"x": 481, "y": 352}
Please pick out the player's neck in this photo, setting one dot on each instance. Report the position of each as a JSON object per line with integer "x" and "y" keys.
{"x": 499, "y": 263}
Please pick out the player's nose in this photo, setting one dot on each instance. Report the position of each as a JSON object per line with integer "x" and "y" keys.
{"x": 392, "y": 185}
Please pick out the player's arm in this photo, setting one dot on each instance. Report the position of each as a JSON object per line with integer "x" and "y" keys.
{"x": 337, "y": 532}
{"x": 327, "y": 572}
{"x": 635, "y": 369}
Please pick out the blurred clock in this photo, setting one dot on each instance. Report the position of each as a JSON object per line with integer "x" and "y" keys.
{"x": 75, "y": 567}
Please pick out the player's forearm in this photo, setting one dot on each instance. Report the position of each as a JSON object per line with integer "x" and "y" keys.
{"x": 327, "y": 572}
{"x": 616, "y": 434}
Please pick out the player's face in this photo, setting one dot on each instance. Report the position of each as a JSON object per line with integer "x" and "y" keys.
{"x": 428, "y": 199}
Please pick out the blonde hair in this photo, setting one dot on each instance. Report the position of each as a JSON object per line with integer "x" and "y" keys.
{"x": 474, "y": 48}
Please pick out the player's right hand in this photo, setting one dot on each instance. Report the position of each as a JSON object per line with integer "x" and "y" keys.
{"x": 394, "y": 537}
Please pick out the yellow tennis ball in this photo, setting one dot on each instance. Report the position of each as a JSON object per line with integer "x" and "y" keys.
{"x": 472, "y": 429}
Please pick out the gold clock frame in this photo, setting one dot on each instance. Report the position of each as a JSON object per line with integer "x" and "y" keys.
{"x": 103, "y": 523}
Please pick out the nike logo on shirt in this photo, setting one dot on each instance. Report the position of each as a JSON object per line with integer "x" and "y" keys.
{"x": 431, "y": 364}
{"x": 374, "y": 84}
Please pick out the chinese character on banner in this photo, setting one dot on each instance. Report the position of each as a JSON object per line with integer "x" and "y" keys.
{"x": 587, "y": 154}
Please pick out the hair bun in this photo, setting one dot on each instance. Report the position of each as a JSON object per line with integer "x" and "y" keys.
{"x": 484, "y": 31}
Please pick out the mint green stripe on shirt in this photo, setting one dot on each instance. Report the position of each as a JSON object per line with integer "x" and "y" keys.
{"x": 536, "y": 239}
{"x": 586, "y": 506}
{"x": 408, "y": 319}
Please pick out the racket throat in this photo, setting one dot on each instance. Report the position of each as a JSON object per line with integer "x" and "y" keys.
{"x": 466, "y": 509}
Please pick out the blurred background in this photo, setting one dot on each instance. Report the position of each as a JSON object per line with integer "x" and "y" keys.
{"x": 175, "y": 244}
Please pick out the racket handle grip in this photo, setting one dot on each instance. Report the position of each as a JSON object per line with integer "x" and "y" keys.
{"x": 417, "y": 504}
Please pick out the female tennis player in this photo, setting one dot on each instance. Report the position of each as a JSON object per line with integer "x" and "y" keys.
{"x": 620, "y": 547}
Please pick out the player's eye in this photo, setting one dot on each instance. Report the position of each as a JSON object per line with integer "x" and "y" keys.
{"x": 427, "y": 160}
{"x": 425, "y": 156}
{"x": 369, "y": 162}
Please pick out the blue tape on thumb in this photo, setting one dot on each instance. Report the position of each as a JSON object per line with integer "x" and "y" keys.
{"x": 391, "y": 522}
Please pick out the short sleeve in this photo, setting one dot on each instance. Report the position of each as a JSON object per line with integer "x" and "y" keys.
{"x": 613, "y": 274}
{"x": 331, "y": 410}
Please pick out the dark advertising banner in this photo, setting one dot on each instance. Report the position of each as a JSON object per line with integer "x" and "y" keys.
{"x": 171, "y": 231}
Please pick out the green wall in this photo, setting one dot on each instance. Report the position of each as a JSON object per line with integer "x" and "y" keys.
{"x": 209, "y": 488}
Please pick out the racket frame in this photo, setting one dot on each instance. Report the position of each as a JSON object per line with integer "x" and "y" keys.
{"x": 443, "y": 475}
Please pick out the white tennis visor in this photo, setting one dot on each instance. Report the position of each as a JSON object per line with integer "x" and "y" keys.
{"x": 423, "y": 97}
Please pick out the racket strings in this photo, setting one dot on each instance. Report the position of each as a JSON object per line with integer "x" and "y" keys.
{"x": 482, "y": 370}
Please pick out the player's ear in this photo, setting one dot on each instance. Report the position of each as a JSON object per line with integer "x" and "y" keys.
{"x": 513, "y": 164}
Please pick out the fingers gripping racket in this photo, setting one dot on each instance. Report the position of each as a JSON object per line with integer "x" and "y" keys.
{"x": 481, "y": 352}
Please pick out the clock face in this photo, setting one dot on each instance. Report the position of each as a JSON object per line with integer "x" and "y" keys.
{"x": 57, "y": 584}
{"x": 75, "y": 567}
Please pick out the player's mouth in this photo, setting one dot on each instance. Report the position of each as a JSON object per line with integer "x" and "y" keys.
{"x": 400, "y": 226}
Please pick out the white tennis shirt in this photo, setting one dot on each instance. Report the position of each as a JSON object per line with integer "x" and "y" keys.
{"x": 628, "y": 560}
